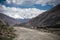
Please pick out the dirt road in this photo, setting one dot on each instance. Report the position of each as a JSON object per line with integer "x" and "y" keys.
{"x": 30, "y": 34}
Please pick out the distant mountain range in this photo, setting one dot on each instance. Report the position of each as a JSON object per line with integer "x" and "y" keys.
{"x": 50, "y": 18}
{"x": 11, "y": 21}
{"x": 7, "y": 19}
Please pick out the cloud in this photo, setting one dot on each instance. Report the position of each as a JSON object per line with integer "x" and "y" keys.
{"x": 32, "y": 2}
{"x": 50, "y": 2}
{"x": 21, "y": 13}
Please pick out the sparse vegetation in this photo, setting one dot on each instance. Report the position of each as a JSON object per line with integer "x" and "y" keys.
{"x": 6, "y": 32}
{"x": 49, "y": 29}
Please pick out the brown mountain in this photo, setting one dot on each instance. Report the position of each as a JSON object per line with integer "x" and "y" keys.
{"x": 50, "y": 18}
{"x": 12, "y": 21}
{"x": 8, "y": 20}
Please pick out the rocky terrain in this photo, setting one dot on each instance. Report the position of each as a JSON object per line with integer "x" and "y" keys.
{"x": 30, "y": 34}
{"x": 50, "y": 18}
{"x": 47, "y": 26}
{"x": 6, "y": 31}
{"x": 7, "y": 19}
{"x": 48, "y": 21}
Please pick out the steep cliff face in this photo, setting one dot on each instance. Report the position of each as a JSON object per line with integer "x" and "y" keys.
{"x": 49, "y": 18}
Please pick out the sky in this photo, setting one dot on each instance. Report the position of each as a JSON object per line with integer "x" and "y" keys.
{"x": 24, "y": 9}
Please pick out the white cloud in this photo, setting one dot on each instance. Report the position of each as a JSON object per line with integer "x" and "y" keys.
{"x": 31, "y": 2}
{"x": 21, "y": 13}
{"x": 18, "y": 16}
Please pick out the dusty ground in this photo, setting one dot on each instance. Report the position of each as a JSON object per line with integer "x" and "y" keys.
{"x": 30, "y": 34}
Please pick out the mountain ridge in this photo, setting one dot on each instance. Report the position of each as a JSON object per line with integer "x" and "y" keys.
{"x": 50, "y": 18}
{"x": 7, "y": 19}
{"x": 12, "y": 21}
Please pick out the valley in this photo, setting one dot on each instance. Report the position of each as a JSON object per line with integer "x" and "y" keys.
{"x": 31, "y": 34}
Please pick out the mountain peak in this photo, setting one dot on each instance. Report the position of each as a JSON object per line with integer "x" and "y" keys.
{"x": 56, "y": 8}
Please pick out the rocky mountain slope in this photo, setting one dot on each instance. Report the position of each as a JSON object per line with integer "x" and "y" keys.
{"x": 50, "y": 18}
{"x": 12, "y": 21}
{"x": 8, "y": 20}
{"x": 6, "y": 31}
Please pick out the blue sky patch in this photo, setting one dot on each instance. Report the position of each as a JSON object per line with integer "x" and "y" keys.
{"x": 38, "y": 6}
{"x": 2, "y": 1}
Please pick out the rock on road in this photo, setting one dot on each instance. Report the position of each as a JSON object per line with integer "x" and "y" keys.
{"x": 30, "y": 34}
